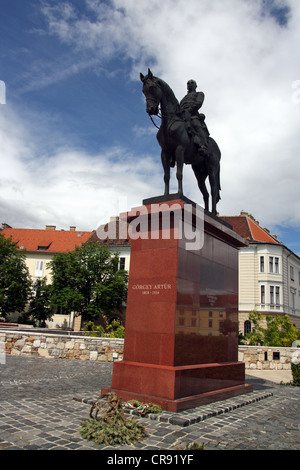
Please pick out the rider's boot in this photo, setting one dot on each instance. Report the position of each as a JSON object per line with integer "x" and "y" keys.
{"x": 202, "y": 148}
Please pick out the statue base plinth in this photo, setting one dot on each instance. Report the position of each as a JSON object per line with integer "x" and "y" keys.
{"x": 181, "y": 332}
{"x": 178, "y": 388}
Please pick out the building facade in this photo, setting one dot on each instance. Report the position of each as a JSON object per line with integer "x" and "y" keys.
{"x": 40, "y": 246}
{"x": 269, "y": 273}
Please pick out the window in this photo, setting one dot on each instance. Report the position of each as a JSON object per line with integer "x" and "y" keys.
{"x": 122, "y": 263}
{"x": 272, "y": 295}
{"x": 247, "y": 327}
{"x": 292, "y": 273}
{"x": 262, "y": 295}
{"x": 271, "y": 261}
{"x": 277, "y": 296}
{"x": 39, "y": 268}
{"x": 274, "y": 264}
{"x": 262, "y": 264}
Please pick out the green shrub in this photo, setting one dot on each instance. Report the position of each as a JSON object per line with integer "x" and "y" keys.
{"x": 296, "y": 373}
{"x": 90, "y": 329}
{"x": 113, "y": 330}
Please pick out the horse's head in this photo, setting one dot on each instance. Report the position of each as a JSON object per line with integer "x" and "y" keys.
{"x": 152, "y": 92}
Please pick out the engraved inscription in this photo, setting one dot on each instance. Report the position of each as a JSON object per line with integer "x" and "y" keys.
{"x": 151, "y": 289}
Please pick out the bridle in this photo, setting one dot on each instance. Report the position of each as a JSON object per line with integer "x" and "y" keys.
{"x": 160, "y": 114}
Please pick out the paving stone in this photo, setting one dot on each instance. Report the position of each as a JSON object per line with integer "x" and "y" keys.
{"x": 38, "y": 411}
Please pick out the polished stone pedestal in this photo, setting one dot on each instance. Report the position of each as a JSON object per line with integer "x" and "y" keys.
{"x": 181, "y": 332}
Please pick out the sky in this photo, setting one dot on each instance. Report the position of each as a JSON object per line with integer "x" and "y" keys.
{"x": 76, "y": 143}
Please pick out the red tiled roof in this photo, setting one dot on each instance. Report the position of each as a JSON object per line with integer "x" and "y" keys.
{"x": 50, "y": 241}
{"x": 249, "y": 229}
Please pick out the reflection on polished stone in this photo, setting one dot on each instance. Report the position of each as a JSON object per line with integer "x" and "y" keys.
{"x": 181, "y": 333}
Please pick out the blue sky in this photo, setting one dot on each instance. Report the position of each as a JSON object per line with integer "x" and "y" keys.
{"x": 75, "y": 141}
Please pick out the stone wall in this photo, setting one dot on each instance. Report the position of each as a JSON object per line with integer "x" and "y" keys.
{"x": 62, "y": 346}
{"x": 85, "y": 348}
{"x": 266, "y": 357}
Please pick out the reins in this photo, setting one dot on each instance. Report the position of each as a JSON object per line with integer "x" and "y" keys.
{"x": 154, "y": 122}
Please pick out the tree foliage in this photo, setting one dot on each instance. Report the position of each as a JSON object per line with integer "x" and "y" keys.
{"x": 15, "y": 281}
{"x": 87, "y": 281}
{"x": 112, "y": 330}
{"x": 278, "y": 331}
{"x": 39, "y": 307}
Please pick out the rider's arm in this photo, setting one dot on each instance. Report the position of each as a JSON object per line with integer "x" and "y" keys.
{"x": 199, "y": 101}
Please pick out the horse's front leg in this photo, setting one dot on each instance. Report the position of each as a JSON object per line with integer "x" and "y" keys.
{"x": 166, "y": 166}
{"x": 179, "y": 164}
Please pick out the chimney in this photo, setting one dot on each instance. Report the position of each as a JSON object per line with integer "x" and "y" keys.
{"x": 5, "y": 226}
{"x": 72, "y": 228}
{"x": 50, "y": 227}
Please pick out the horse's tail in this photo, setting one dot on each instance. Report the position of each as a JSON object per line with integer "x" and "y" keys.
{"x": 215, "y": 151}
{"x": 219, "y": 185}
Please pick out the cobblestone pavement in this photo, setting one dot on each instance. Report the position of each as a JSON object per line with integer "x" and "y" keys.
{"x": 43, "y": 402}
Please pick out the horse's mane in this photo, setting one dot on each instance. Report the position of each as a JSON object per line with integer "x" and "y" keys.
{"x": 167, "y": 90}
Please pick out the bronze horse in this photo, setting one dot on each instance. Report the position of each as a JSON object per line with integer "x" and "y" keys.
{"x": 177, "y": 146}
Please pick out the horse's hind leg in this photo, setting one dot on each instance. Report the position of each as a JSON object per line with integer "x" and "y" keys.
{"x": 179, "y": 163}
{"x": 201, "y": 177}
{"x": 166, "y": 166}
{"x": 214, "y": 193}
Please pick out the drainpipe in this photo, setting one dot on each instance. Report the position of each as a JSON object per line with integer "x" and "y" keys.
{"x": 288, "y": 281}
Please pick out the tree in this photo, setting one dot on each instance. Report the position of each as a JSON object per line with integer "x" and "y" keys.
{"x": 256, "y": 335}
{"x": 39, "y": 306}
{"x": 279, "y": 330}
{"x": 15, "y": 280}
{"x": 87, "y": 281}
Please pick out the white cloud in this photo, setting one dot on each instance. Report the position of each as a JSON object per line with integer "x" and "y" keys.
{"x": 68, "y": 187}
{"x": 242, "y": 59}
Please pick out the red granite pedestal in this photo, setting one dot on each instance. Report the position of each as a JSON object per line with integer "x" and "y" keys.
{"x": 181, "y": 332}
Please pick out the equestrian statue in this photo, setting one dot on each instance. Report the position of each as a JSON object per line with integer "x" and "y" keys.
{"x": 183, "y": 136}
